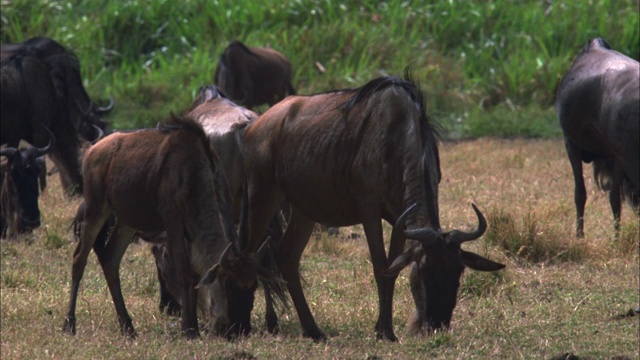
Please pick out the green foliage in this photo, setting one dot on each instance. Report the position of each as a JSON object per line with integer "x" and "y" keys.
{"x": 477, "y": 57}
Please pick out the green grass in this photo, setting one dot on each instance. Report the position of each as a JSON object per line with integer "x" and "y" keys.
{"x": 488, "y": 67}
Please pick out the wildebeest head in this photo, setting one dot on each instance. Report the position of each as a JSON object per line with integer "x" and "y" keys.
{"x": 234, "y": 281}
{"x": 253, "y": 76}
{"x": 440, "y": 261}
{"x": 19, "y": 192}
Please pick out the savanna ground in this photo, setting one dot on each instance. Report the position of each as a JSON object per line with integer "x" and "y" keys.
{"x": 557, "y": 295}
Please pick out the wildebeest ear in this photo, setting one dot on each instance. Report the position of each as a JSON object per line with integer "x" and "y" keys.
{"x": 209, "y": 277}
{"x": 402, "y": 261}
{"x": 477, "y": 262}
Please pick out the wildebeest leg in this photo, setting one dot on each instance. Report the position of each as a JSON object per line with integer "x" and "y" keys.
{"x": 110, "y": 257}
{"x": 179, "y": 248}
{"x": 295, "y": 239}
{"x": 373, "y": 231}
{"x": 270, "y": 317}
{"x": 92, "y": 225}
{"x": 580, "y": 192}
{"x": 615, "y": 194}
{"x": 167, "y": 301}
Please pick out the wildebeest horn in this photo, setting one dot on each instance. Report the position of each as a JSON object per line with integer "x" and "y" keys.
{"x": 8, "y": 152}
{"x": 426, "y": 235}
{"x": 106, "y": 109}
{"x": 41, "y": 151}
{"x": 461, "y": 236}
{"x": 395, "y": 232}
{"x": 224, "y": 261}
{"x": 263, "y": 248}
{"x": 100, "y": 133}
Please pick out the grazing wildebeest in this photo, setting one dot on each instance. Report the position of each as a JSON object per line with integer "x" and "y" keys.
{"x": 253, "y": 76}
{"x": 598, "y": 106}
{"x": 358, "y": 156}
{"x": 166, "y": 179}
{"x": 19, "y": 211}
{"x": 75, "y": 115}
{"x": 223, "y": 122}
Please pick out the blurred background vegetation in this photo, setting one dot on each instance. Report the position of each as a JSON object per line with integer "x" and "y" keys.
{"x": 489, "y": 68}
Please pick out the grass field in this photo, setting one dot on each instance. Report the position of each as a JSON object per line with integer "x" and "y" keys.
{"x": 557, "y": 295}
{"x": 488, "y": 67}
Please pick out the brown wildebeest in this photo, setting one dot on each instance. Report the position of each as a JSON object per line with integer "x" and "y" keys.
{"x": 253, "y": 76}
{"x": 224, "y": 123}
{"x": 598, "y": 106}
{"x": 166, "y": 179}
{"x": 67, "y": 109}
{"x": 19, "y": 191}
{"x": 355, "y": 157}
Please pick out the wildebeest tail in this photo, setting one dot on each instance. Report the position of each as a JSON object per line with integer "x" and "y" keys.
{"x": 603, "y": 172}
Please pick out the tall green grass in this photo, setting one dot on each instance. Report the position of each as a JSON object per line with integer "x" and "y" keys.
{"x": 480, "y": 62}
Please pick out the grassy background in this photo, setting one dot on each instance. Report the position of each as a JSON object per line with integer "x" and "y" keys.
{"x": 558, "y": 294}
{"x": 488, "y": 67}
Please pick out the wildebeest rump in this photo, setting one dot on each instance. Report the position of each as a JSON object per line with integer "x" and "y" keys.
{"x": 253, "y": 76}
{"x": 165, "y": 179}
{"x": 224, "y": 123}
{"x": 358, "y": 156}
{"x": 19, "y": 177}
{"x": 68, "y": 111}
{"x": 598, "y": 106}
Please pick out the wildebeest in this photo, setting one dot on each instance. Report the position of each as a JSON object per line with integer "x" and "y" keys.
{"x": 253, "y": 76}
{"x": 62, "y": 104}
{"x": 166, "y": 179}
{"x": 358, "y": 156}
{"x": 598, "y": 106}
{"x": 224, "y": 123}
{"x": 19, "y": 177}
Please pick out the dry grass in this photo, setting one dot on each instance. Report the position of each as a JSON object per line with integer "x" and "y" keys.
{"x": 557, "y": 295}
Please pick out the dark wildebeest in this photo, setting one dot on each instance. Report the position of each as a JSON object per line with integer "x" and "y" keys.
{"x": 76, "y": 116}
{"x": 253, "y": 76}
{"x": 224, "y": 123}
{"x": 598, "y": 105}
{"x": 166, "y": 179}
{"x": 19, "y": 211}
{"x": 350, "y": 157}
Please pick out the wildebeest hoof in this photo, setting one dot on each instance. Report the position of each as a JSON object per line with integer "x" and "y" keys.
{"x": 386, "y": 336}
{"x": 191, "y": 334}
{"x": 316, "y": 335}
{"x": 69, "y": 326}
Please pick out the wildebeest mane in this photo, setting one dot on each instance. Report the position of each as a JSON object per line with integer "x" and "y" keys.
{"x": 189, "y": 124}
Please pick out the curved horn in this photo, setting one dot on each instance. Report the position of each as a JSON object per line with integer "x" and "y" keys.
{"x": 100, "y": 133}
{"x": 395, "y": 232}
{"x": 52, "y": 140}
{"x": 106, "y": 109}
{"x": 263, "y": 248}
{"x": 426, "y": 235}
{"x": 461, "y": 236}
{"x": 224, "y": 261}
{"x": 8, "y": 151}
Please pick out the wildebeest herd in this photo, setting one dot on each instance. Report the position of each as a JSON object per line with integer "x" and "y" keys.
{"x": 229, "y": 198}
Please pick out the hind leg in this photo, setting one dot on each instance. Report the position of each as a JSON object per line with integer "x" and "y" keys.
{"x": 94, "y": 220}
{"x": 615, "y": 195}
{"x": 110, "y": 258}
{"x": 580, "y": 192}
